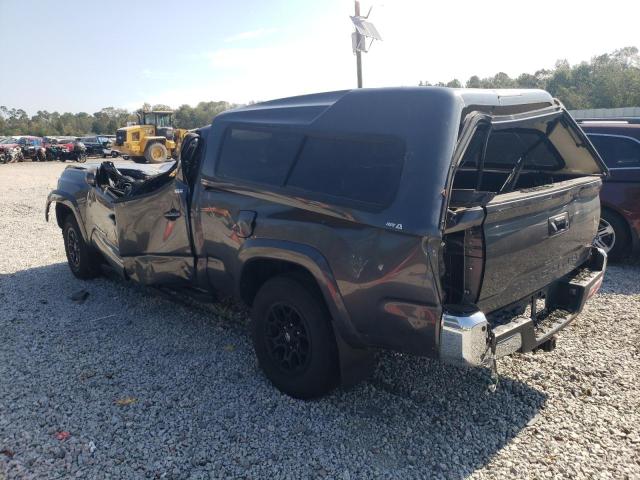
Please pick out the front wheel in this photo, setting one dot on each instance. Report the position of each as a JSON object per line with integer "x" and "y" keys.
{"x": 293, "y": 339}
{"x": 156, "y": 153}
{"x": 83, "y": 261}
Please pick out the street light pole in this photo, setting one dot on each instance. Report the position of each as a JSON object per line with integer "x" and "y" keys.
{"x": 358, "y": 54}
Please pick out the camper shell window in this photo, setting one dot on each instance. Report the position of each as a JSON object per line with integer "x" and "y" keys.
{"x": 507, "y": 156}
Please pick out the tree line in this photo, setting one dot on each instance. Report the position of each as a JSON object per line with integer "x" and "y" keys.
{"x": 106, "y": 121}
{"x": 607, "y": 81}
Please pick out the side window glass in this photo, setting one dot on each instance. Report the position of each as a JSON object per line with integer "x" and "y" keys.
{"x": 258, "y": 156}
{"x": 364, "y": 170}
{"x": 617, "y": 152}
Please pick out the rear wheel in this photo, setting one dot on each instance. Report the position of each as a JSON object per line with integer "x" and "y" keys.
{"x": 293, "y": 339}
{"x": 156, "y": 153}
{"x": 613, "y": 235}
{"x": 83, "y": 261}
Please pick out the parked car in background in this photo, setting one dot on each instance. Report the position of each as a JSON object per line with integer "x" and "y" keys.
{"x": 99, "y": 145}
{"x": 31, "y": 147}
{"x": 618, "y": 142}
{"x": 65, "y": 148}
{"x": 10, "y": 150}
{"x": 455, "y": 224}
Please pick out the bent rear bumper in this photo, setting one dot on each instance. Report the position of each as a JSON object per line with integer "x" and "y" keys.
{"x": 469, "y": 338}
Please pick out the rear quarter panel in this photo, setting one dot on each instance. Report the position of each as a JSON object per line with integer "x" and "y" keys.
{"x": 382, "y": 276}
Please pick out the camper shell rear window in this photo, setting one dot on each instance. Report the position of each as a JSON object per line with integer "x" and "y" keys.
{"x": 504, "y": 156}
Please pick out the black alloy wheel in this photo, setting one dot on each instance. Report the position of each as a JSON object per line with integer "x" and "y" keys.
{"x": 287, "y": 338}
{"x": 293, "y": 337}
{"x": 73, "y": 248}
{"x": 84, "y": 262}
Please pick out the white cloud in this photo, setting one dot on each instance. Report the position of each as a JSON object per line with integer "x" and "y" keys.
{"x": 249, "y": 35}
{"x": 422, "y": 41}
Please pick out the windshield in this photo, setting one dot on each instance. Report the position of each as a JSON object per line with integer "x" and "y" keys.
{"x": 157, "y": 119}
{"x": 9, "y": 140}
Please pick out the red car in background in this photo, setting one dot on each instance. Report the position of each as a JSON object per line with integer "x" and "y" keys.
{"x": 65, "y": 148}
{"x": 618, "y": 142}
{"x": 28, "y": 146}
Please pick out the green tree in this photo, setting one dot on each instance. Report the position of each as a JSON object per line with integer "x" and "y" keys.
{"x": 606, "y": 81}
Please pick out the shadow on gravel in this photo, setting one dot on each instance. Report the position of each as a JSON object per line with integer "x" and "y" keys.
{"x": 621, "y": 277}
{"x": 148, "y": 386}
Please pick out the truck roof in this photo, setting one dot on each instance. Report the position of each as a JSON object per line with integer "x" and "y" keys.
{"x": 304, "y": 109}
{"x": 426, "y": 119}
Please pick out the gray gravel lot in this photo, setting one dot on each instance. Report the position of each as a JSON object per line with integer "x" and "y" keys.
{"x": 147, "y": 387}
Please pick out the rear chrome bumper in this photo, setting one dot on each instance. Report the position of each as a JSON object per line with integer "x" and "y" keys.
{"x": 467, "y": 338}
{"x": 464, "y": 339}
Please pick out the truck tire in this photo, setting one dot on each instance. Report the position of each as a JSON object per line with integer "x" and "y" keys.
{"x": 613, "y": 235}
{"x": 83, "y": 261}
{"x": 293, "y": 339}
{"x": 156, "y": 153}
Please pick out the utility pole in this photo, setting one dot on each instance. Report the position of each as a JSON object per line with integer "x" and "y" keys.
{"x": 358, "y": 54}
{"x": 363, "y": 30}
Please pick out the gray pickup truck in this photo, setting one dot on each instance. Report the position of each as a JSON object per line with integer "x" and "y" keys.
{"x": 455, "y": 224}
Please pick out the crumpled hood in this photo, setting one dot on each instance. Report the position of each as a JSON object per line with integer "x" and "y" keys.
{"x": 8, "y": 146}
{"x": 148, "y": 168}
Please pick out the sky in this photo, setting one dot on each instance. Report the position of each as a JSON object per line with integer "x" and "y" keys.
{"x": 71, "y": 55}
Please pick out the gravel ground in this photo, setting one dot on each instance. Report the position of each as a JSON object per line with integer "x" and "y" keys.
{"x": 130, "y": 384}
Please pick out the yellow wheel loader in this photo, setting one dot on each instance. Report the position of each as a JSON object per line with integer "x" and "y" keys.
{"x": 153, "y": 140}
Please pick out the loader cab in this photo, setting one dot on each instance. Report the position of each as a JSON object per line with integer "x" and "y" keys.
{"x": 161, "y": 120}
{"x": 158, "y": 118}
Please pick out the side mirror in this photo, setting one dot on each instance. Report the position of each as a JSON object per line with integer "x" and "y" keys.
{"x": 91, "y": 179}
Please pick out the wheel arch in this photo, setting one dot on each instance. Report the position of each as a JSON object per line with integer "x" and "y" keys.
{"x": 151, "y": 140}
{"x": 65, "y": 205}
{"x": 261, "y": 259}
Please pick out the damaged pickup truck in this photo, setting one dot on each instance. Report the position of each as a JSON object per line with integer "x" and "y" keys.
{"x": 455, "y": 224}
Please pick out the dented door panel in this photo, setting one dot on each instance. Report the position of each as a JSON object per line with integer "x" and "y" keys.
{"x": 153, "y": 235}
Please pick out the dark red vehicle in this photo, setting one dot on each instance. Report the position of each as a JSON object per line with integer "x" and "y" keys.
{"x": 618, "y": 142}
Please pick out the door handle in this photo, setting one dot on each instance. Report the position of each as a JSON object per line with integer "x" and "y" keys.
{"x": 172, "y": 214}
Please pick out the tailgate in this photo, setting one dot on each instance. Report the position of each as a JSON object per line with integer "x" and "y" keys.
{"x": 533, "y": 238}
{"x": 524, "y": 207}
